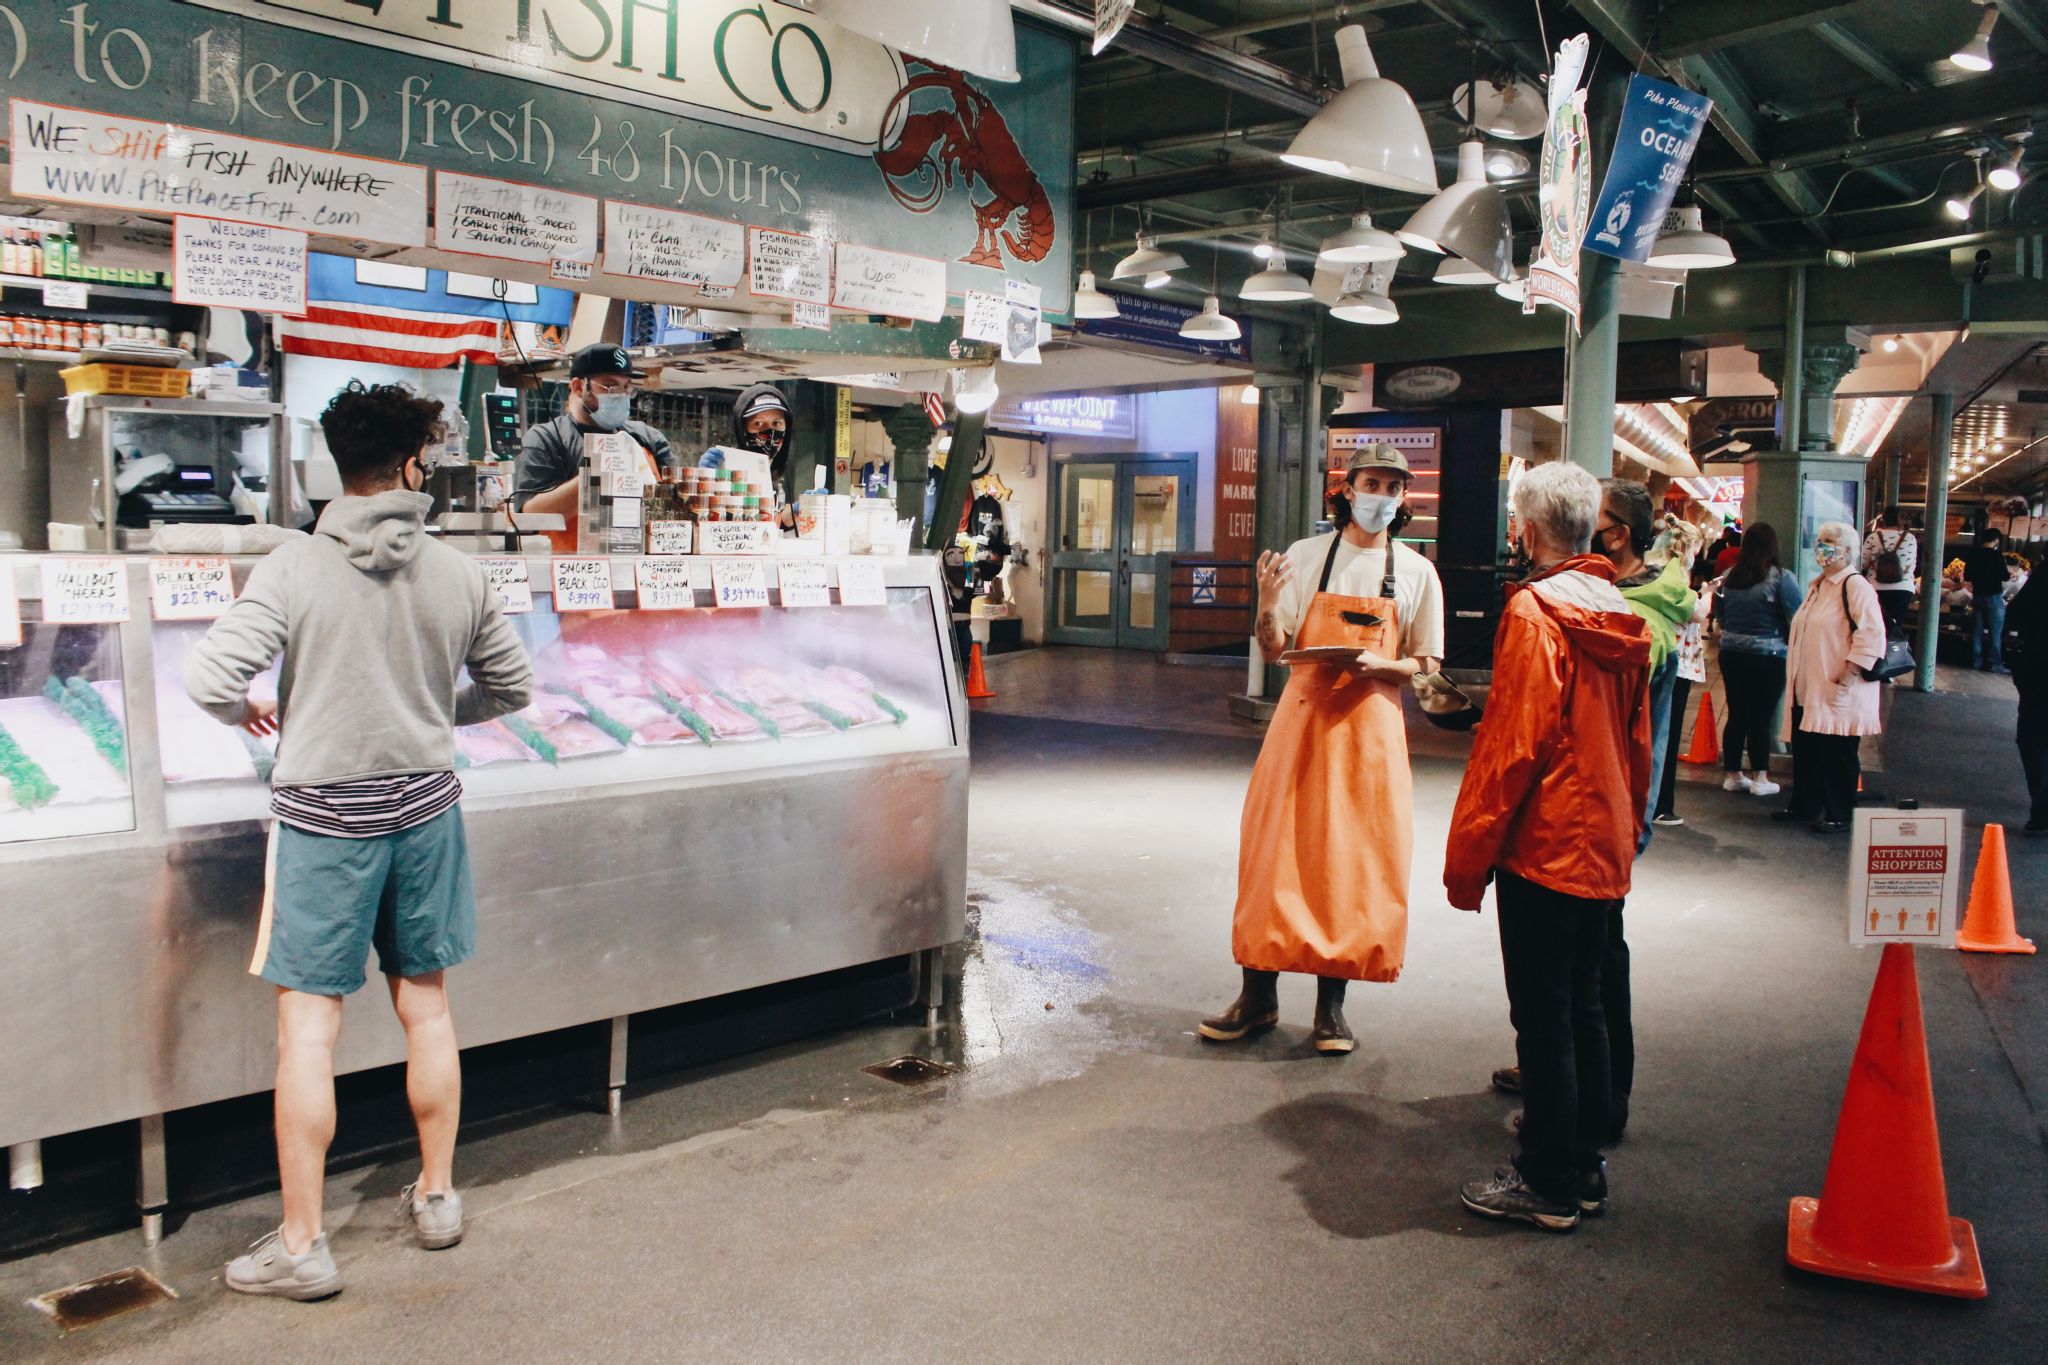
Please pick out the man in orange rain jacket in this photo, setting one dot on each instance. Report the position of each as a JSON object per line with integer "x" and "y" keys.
{"x": 1550, "y": 808}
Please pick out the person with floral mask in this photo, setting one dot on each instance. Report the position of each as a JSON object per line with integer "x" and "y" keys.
{"x": 601, "y": 380}
{"x": 1324, "y": 842}
{"x": 1836, "y": 634}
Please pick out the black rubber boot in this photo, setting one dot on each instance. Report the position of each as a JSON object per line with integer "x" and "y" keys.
{"x": 1331, "y": 1036}
{"x": 1256, "y": 1009}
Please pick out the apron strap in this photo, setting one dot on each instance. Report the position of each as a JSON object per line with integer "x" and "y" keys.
{"x": 1330, "y": 563}
{"x": 1387, "y": 586}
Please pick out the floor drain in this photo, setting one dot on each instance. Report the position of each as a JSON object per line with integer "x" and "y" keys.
{"x": 909, "y": 1070}
{"x": 109, "y": 1296}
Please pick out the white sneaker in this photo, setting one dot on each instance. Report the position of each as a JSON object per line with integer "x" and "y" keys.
{"x": 1763, "y": 786}
{"x": 1735, "y": 782}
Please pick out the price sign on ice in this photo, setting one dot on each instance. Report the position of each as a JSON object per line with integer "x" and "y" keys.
{"x": 740, "y": 582}
{"x": 1904, "y": 869}
{"x": 806, "y": 583}
{"x": 583, "y": 585}
{"x": 510, "y": 579}
{"x": 78, "y": 592}
{"x": 664, "y": 584}
{"x": 861, "y": 584}
{"x": 190, "y": 589}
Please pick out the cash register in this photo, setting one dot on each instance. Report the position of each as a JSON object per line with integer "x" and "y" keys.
{"x": 176, "y": 493}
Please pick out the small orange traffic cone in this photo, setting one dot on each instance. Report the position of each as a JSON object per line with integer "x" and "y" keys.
{"x": 977, "y": 680}
{"x": 1706, "y": 741}
{"x": 1988, "y": 926}
{"x": 1882, "y": 1217}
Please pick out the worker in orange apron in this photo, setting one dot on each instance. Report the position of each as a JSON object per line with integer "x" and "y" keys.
{"x": 1322, "y": 878}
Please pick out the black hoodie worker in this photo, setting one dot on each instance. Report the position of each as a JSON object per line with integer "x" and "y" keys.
{"x": 760, "y": 423}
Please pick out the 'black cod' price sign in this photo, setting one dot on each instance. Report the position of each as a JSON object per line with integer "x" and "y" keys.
{"x": 1904, "y": 869}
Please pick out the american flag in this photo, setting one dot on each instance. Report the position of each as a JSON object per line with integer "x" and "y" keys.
{"x": 423, "y": 324}
{"x": 935, "y": 408}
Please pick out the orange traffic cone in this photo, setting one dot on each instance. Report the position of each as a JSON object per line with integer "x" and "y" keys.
{"x": 1882, "y": 1217}
{"x": 1988, "y": 926}
{"x": 1706, "y": 741}
{"x": 977, "y": 680}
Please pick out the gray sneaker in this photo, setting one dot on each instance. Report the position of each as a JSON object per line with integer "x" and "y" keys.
{"x": 267, "y": 1268}
{"x": 436, "y": 1219}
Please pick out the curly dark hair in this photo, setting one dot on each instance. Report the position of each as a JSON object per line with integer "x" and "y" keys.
{"x": 373, "y": 429}
{"x": 1339, "y": 501}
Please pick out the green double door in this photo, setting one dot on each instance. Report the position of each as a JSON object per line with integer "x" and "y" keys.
{"x": 1116, "y": 522}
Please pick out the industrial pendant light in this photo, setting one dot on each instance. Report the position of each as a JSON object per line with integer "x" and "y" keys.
{"x": 975, "y": 390}
{"x": 1458, "y": 270}
{"x": 975, "y": 36}
{"x": 1360, "y": 244}
{"x": 1277, "y": 284}
{"x": 1369, "y": 303}
{"x": 1469, "y": 218}
{"x": 1687, "y": 245}
{"x": 1210, "y": 324}
{"x": 1506, "y": 163}
{"x": 1515, "y": 290}
{"x": 1509, "y": 108}
{"x": 1370, "y": 132}
{"x": 1975, "y": 55}
{"x": 1148, "y": 260}
{"x": 1090, "y": 303}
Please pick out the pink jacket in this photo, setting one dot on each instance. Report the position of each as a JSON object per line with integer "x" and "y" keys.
{"x": 1825, "y": 641}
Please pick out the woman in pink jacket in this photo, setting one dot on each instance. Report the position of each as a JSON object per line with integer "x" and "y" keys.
{"x": 1838, "y": 632}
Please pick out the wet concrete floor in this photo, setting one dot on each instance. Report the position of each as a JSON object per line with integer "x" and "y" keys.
{"x": 1096, "y": 1183}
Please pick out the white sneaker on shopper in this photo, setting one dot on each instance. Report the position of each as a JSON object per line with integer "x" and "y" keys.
{"x": 1763, "y": 786}
{"x": 1735, "y": 782}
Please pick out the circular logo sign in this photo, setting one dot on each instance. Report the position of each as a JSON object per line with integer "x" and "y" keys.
{"x": 1423, "y": 384}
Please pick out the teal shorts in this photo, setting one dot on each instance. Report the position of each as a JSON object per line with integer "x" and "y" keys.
{"x": 328, "y": 901}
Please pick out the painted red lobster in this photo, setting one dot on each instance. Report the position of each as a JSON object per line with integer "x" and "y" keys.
{"x": 968, "y": 142}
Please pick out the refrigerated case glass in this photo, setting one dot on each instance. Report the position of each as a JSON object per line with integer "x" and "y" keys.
{"x": 63, "y": 734}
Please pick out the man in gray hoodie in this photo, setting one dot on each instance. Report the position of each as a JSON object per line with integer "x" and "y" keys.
{"x": 376, "y": 621}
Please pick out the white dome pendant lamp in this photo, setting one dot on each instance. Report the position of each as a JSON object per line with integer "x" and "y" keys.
{"x": 1370, "y": 132}
{"x": 975, "y": 36}
{"x": 1469, "y": 218}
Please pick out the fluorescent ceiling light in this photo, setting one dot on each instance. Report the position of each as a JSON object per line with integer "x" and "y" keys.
{"x": 975, "y": 36}
{"x": 1370, "y": 132}
{"x": 1691, "y": 246}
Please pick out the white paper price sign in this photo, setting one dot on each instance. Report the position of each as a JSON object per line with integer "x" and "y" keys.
{"x": 512, "y": 221}
{"x": 10, "y": 609}
{"x": 583, "y": 585}
{"x": 868, "y": 279}
{"x": 670, "y": 537}
{"x": 815, "y": 316}
{"x": 79, "y": 592}
{"x": 789, "y": 265}
{"x": 677, "y": 248}
{"x": 190, "y": 589}
{"x": 510, "y": 579}
{"x": 739, "y": 582}
{"x": 984, "y": 316}
{"x": 71, "y": 294}
{"x": 664, "y": 584}
{"x": 806, "y": 583}
{"x": 1905, "y": 867}
{"x": 734, "y": 538}
{"x": 861, "y": 584}
{"x": 569, "y": 272}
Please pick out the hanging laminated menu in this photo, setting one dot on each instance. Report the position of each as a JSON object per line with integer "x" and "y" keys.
{"x": 675, "y": 248}
{"x": 867, "y": 279}
{"x": 513, "y": 221}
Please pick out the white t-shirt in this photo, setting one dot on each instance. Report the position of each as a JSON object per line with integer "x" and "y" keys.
{"x": 1418, "y": 597}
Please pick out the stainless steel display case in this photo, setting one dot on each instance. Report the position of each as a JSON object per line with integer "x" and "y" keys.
{"x": 638, "y": 876}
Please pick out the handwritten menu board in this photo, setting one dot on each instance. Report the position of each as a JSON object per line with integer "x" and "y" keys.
{"x": 509, "y": 578}
{"x": 220, "y": 264}
{"x": 664, "y": 584}
{"x": 677, "y": 248}
{"x": 789, "y": 265}
{"x": 583, "y": 585}
{"x": 806, "y": 583}
{"x": 183, "y": 589}
{"x": 511, "y": 221}
{"x": 81, "y": 591}
{"x": 868, "y": 279}
{"x": 77, "y": 157}
{"x": 739, "y": 582}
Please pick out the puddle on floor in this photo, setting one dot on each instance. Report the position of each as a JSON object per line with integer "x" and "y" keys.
{"x": 109, "y": 1296}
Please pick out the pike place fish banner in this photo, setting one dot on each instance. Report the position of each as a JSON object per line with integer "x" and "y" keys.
{"x": 759, "y": 113}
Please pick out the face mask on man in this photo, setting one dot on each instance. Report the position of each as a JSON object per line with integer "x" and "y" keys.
{"x": 610, "y": 410}
{"x": 1373, "y": 512}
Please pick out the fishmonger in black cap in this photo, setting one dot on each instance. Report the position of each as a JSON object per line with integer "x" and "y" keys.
{"x": 601, "y": 382}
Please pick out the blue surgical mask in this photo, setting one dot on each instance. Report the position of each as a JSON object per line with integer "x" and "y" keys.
{"x": 611, "y": 410}
{"x": 1372, "y": 512}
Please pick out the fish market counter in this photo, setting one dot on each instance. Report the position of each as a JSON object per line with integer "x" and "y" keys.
{"x": 699, "y": 801}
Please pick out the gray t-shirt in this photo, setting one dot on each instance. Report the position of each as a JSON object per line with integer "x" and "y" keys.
{"x": 553, "y": 451}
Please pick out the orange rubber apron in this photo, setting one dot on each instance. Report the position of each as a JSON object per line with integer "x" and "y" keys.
{"x": 1328, "y": 826}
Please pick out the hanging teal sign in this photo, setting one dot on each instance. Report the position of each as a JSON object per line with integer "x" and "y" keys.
{"x": 1660, "y": 127}
{"x": 753, "y": 113}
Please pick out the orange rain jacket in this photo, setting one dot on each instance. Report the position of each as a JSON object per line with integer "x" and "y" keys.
{"x": 1555, "y": 788}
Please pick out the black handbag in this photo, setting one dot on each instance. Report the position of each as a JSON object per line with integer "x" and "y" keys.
{"x": 1897, "y": 659}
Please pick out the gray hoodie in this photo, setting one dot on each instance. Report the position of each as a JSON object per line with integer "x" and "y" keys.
{"x": 375, "y": 619}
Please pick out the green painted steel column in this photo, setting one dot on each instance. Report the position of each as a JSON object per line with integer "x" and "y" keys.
{"x": 1589, "y": 391}
{"x": 1792, "y": 385}
{"x": 910, "y": 433}
{"x": 959, "y": 477}
{"x": 1933, "y": 540}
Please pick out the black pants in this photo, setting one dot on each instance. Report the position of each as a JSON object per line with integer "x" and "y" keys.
{"x": 1552, "y": 949}
{"x": 1825, "y": 770}
{"x": 1667, "y": 790}
{"x": 1615, "y": 1005}
{"x": 2033, "y": 741}
{"x": 1755, "y": 683}
{"x": 1893, "y": 607}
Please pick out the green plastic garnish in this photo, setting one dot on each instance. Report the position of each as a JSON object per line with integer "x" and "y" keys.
{"x": 524, "y": 732}
{"x": 26, "y": 781}
{"x": 82, "y": 702}
{"x": 759, "y": 717}
{"x": 891, "y": 707}
{"x": 684, "y": 714}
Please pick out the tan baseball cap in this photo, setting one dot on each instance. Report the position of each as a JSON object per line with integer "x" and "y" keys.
{"x": 1376, "y": 455}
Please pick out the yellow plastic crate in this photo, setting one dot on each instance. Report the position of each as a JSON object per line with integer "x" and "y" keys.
{"x": 135, "y": 381}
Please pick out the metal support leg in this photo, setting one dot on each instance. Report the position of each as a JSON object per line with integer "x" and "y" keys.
{"x": 931, "y": 985}
{"x": 618, "y": 1065}
{"x": 152, "y": 1178}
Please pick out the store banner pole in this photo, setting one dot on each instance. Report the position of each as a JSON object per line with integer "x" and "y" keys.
{"x": 1933, "y": 542}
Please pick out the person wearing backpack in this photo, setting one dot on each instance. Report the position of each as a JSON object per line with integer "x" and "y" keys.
{"x": 1755, "y": 605}
{"x": 1891, "y": 559}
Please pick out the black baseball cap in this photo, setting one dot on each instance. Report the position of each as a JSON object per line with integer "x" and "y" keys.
{"x": 603, "y": 358}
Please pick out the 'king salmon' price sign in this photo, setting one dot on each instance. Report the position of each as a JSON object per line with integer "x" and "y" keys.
{"x": 806, "y": 583}
{"x": 81, "y": 591}
{"x": 664, "y": 584}
{"x": 512, "y": 583}
{"x": 1904, "y": 870}
{"x": 182, "y": 589}
{"x": 583, "y": 585}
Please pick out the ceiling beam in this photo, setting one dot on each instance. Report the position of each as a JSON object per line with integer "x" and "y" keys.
{"x": 1982, "y": 103}
{"x": 1688, "y": 30}
{"x": 2024, "y": 22}
{"x": 1182, "y": 51}
{"x": 1863, "y": 56}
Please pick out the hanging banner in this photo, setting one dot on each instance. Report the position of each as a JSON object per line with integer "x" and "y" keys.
{"x": 511, "y": 221}
{"x": 1660, "y": 127}
{"x": 1566, "y": 187}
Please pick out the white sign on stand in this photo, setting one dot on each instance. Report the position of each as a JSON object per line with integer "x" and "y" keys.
{"x": 739, "y": 582}
{"x": 861, "y": 584}
{"x": 512, "y": 221}
{"x": 806, "y": 583}
{"x": 80, "y": 591}
{"x": 1905, "y": 867}
{"x": 670, "y": 537}
{"x": 664, "y": 584}
{"x": 735, "y": 538}
{"x": 583, "y": 585}
{"x": 510, "y": 579}
{"x": 10, "y": 609}
{"x": 182, "y": 589}
{"x": 222, "y": 264}
{"x": 867, "y": 279}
